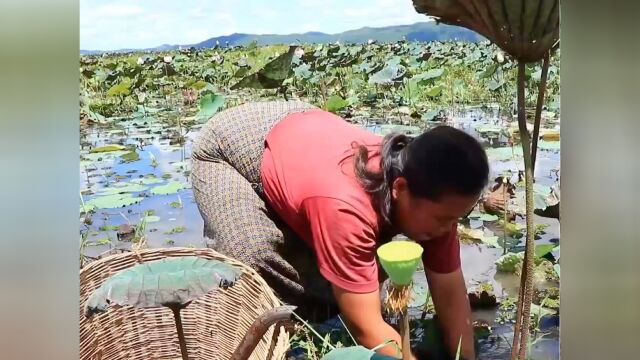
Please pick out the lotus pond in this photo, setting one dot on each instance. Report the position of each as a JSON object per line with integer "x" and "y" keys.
{"x": 141, "y": 112}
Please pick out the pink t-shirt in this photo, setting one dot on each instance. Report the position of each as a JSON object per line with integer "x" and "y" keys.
{"x": 308, "y": 178}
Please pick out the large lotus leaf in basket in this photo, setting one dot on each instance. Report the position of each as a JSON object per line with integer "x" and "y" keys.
{"x": 171, "y": 281}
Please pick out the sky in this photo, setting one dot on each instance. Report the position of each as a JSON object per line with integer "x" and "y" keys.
{"x": 111, "y": 25}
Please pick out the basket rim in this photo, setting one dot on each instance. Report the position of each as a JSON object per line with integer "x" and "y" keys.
{"x": 270, "y": 298}
{"x": 186, "y": 251}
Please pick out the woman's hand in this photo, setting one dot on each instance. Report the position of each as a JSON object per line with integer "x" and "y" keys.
{"x": 363, "y": 316}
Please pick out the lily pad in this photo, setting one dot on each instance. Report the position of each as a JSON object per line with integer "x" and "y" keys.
{"x": 107, "y": 148}
{"x": 209, "y": 105}
{"x": 542, "y": 250}
{"x": 335, "y": 103}
{"x": 355, "y": 353}
{"x": 151, "y": 219}
{"x": 113, "y": 201}
{"x": 388, "y": 75}
{"x": 86, "y": 164}
{"x": 434, "y": 91}
{"x": 388, "y": 128}
{"x": 504, "y": 153}
{"x": 510, "y": 262}
{"x": 431, "y": 115}
{"x": 549, "y": 145}
{"x": 164, "y": 282}
{"x": 147, "y": 181}
{"x": 489, "y": 129}
{"x": 488, "y": 217}
{"x": 104, "y": 155}
{"x": 428, "y": 75}
{"x": 182, "y": 165}
{"x": 131, "y": 156}
{"x": 170, "y": 188}
{"x": 124, "y": 188}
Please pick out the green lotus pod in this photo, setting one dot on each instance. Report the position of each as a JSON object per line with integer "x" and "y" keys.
{"x": 400, "y": 259}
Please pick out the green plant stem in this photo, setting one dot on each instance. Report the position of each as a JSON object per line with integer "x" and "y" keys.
{"x": 506, "y": 219}
{"x": 181, "y": 339}
{"x": 405, "y": 335}
{"x": 542, "y": 87}
{"x": 521, "y": 330}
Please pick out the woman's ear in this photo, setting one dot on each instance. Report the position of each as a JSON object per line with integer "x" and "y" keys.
{"x": 398, "y": 187}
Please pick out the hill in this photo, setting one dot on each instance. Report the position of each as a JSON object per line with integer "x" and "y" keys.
{"x": 422, "y": 31}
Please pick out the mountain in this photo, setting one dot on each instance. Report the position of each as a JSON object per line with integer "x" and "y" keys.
{"x": 422, "y": 31}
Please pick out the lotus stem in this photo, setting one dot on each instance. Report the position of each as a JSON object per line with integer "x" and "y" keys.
{"x": 183, "y": 344}
{"x": 405, "y": 335}
{"x": 542, "y": 87}
{"x": 398, "y": 298}
{"x": 521, "y": 330}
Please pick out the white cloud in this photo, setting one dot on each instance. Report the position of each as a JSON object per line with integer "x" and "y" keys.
{"x": 108, "y": 25}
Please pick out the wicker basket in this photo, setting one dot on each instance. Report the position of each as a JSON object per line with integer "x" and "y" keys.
{"x": 213, "y": 325}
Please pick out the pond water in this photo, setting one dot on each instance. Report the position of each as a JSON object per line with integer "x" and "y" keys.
{"x": 175, "y": 220}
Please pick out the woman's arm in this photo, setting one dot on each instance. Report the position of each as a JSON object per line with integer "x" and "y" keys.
{"x": 451, "y": 303}
{"x": 362, "y": 314}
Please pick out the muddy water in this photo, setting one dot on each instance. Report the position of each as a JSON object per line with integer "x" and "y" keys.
{"x": 173, "y": 164}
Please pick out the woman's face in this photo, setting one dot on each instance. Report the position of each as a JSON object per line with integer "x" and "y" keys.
{"x": 421, "y": 219}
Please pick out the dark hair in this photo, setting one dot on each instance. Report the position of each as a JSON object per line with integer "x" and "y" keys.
{"x": 439, "y": 161}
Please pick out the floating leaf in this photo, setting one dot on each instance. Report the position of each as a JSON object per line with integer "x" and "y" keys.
{"x": 387, "y": 75}
{"x": 494, "y": 85}
{"x": 426, "y": 77}
{"x": 303, "y": 71}
{"x": 121, "y": 89}
{"x": 103, "y": 155}
{"x": 488, "y": 217}
{"x": 504, "y": 153}
{"x": 489, "y": 71}
{"x": 151, "y": 218}
{"x": 113, "y": 201}
{"x": 131, "y": 156}
{"x": 510, "y": 262}
{"x": 489, "y": 128}
{"x": 542, "y": 250}
{"x": 170, "y": 188}
{"x": 537, "y": 310}
{"x": 434, "y": 91}
{"x": 107, "y": 148}
{"x": 431, "y": 115}
{"x": 176, "y": 230}
{"x": 209, "y": 105}
{"x": 164, "y": 282}
{"x": 493, "y": 241}
{"x": 183, "y": 165}
{"x": 147, "y": 181}
{"x": 122, "y": 188}
{"x": 418, "y": 296}
{"x": 548, "y": 145}
{"x": 335, "y": 103}
{"x": 475, "y": 215}
{"x": 271, "y": 76}
{"x": 355, "y": 353}
{"x": 389, "y": 128}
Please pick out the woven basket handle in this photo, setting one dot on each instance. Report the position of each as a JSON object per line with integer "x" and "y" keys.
{"x": 259, "y": 328}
